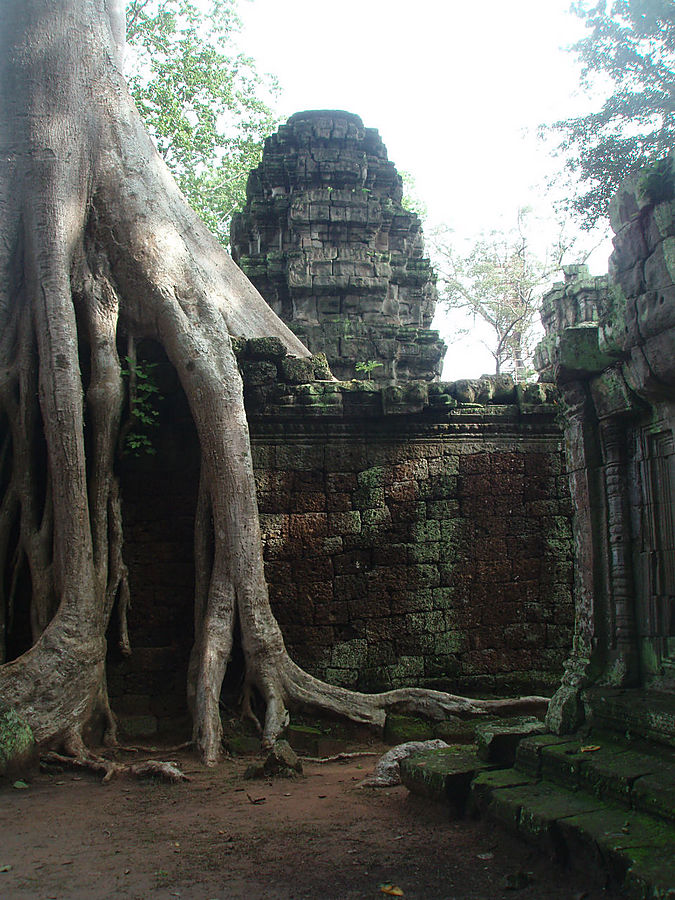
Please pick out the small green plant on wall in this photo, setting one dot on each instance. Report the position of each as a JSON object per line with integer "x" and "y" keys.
{"x": 367, "y": 368}
{"x": 144, "y": 397}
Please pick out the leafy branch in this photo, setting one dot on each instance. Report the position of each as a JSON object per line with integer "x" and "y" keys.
{"x": 144, "y": 397}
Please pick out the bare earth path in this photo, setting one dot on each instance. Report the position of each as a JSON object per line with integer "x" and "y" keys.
{"x": 219, "y": 836}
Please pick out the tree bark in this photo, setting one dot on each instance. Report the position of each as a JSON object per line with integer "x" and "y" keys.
{"x": 96, "y": 240}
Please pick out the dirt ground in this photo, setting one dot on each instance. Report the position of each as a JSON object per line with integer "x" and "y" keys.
{"x": 220, "y": 837}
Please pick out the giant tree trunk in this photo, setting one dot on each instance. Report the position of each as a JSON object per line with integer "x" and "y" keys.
{"x": 96, "y": 241}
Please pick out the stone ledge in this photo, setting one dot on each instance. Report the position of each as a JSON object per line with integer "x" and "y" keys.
{"x": 279, "y": 385}
{"x": 633, "y": 712}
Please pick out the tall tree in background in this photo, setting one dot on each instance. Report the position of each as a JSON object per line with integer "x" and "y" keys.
{"x": 498, "y": 281}
{"x": 628, "y": 54}
{"x": 200, "y": 98}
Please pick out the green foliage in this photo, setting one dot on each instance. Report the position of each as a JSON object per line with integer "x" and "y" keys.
{"x": 144, "y": 397}
{"x": 411, "y": 200}
{"x": 200, "y": 99}
{"x": 366, "y": 368}
{"x": 630, "y": 46}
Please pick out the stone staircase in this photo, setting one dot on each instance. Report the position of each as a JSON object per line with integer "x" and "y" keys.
{"x": 594, "y": 801}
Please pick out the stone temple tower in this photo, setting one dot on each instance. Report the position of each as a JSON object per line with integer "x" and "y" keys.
{"x": 325, "y": 239}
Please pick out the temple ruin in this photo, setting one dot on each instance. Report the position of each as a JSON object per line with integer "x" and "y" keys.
{"x": 327, "y": 241}
{"x": 610, "y": 346}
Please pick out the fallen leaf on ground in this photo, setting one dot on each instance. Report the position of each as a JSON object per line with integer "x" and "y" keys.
{"x": 5, "y": 868}
{"x": 256, "y": 799}
{"x": 486, "y": 856}
{"x": 590, "y": 748}
{"x": 20, "y": 785}
{"x": 391, "y": 889}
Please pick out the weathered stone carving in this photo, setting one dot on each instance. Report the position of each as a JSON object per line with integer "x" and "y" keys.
{"x": 325, "y": 239}
{"x": 610, "y": 345}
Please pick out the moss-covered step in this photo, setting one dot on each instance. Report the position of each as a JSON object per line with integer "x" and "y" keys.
{"x": 533, "y": 810}
{"x": 304, "y": 738}
{"x": 529, "y": 750}
{"x": 401, "y": 729}
{"x": 655, "y": 794}
{"x": 638, "y": 713}
{"x": 444, "y": 775}
{"x": 609, "y": 770}
{"x": 485, "y": 783}
{"x": 633, "y": 850}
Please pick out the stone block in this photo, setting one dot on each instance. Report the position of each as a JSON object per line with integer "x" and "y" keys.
{"x": 401, "y": 491}
{"x": 295, "y": 370}
{"x": 443, "y": 775}
{"x": 498, "y": 741}
{"x": 258, "y": 373}
{"x": 138, "y": 726}
{"x": 348, "y": 522}
{"x": 269, "y": 348}
{"x": 377, "y": 518}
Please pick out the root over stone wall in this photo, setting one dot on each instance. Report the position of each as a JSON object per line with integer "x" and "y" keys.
{"x": 413, "y": 536}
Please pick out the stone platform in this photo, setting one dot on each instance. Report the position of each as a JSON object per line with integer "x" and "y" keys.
{"x": 592, "y": 801}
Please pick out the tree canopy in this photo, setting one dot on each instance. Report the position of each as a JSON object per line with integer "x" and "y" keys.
{"x": 200, "y": 98}
{"x": 499, "y": 280}
{"x": 628, "y": 53}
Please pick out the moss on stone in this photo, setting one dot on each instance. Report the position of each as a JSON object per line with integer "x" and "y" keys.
{"x": 18, "y": 752}
{"x": 297, "y": 371}
{"x": 322, "y": 370}
{"x": 400, "y": 729}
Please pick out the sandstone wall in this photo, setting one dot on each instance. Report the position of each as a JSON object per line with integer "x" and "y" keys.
{"x": 610, "y": 346}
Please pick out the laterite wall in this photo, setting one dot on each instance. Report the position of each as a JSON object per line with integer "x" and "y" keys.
{"x": 416, "y": 535}
{"x": 400, "y": 553}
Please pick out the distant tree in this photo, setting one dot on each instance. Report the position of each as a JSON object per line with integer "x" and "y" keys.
{"x": 498, "y": 281}
{"x": 411, "y": 199}
{"x": 629, "y": 46}
{"x": 200, "y": 98}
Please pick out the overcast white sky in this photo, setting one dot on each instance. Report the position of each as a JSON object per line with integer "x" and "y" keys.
{"x": 455, "y": 89}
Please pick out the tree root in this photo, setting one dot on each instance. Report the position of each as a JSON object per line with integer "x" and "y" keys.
{"x": 295, "y": 688}
{"x": 340, "y": 757}
{"x": 151, "y": 768}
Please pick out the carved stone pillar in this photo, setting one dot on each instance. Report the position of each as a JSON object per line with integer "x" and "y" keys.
{"x": 583, "y": 463}
{"x": 622, "y": 664}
